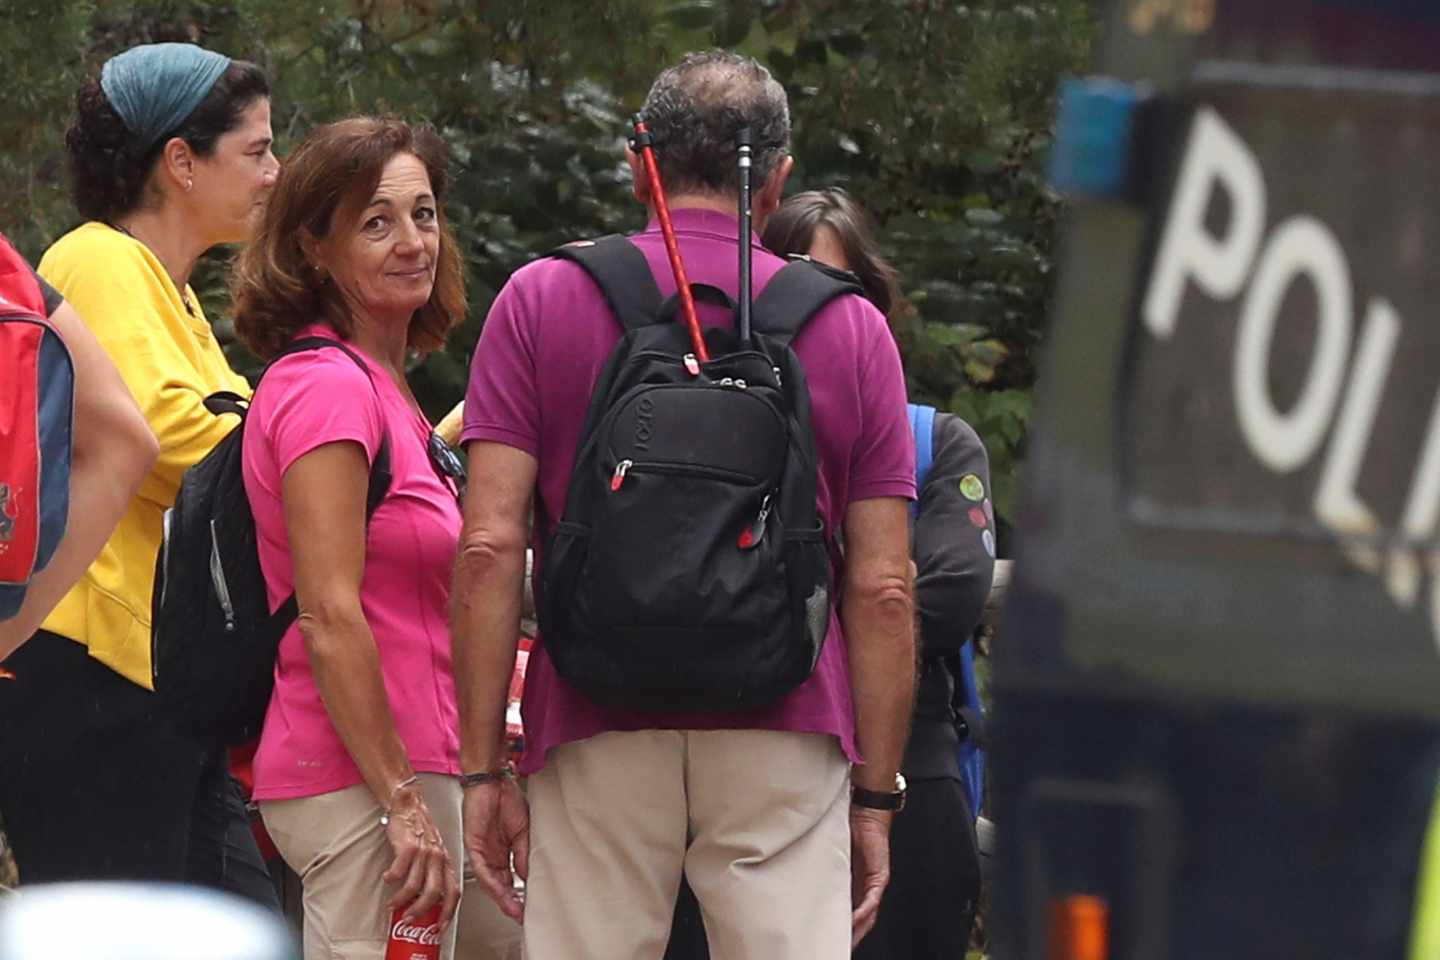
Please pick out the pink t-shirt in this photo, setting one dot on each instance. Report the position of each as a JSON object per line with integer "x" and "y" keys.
{"x": 307, "y": 400}
{"x": 543, "y": 346}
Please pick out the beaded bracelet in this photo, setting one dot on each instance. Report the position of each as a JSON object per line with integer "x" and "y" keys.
{"x": 506, "y": 772}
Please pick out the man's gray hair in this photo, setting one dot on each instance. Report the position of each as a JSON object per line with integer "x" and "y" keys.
{"x": 695, "y": 108}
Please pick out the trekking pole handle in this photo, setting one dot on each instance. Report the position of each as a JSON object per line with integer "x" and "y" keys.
{"x": 643, "y": 143}
{"x": 744, "y": 161}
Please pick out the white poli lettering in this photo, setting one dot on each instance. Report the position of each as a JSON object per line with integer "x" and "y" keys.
{"x": 1218, "y": 162}
{"x": 1285, "y": 441}
{"x": 1215, "y": 158}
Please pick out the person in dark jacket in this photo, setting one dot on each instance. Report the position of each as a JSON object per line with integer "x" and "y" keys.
{"x": 935, "y": 880}
{"x": 935, "y": 873}
{"x": 929, "y": 907}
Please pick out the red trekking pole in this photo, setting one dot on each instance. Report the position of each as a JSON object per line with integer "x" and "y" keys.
{"x": 643, "y": 144}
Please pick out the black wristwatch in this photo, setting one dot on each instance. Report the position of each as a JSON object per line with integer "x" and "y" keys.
{"x": 879, "y": 799}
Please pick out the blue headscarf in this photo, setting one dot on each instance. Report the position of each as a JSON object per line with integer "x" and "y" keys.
{"x": 155, "y": 87}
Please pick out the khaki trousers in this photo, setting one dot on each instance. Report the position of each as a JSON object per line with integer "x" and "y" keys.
{"x": 482, "y": 932}
{"x": 757, "y": 820}
{"x": 335, "y": 843}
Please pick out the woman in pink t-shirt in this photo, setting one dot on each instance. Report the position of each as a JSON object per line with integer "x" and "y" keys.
{"x": 356, "y": 768}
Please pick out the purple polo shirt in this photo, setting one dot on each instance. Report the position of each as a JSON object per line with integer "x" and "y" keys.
{"x": 543, "y": 347}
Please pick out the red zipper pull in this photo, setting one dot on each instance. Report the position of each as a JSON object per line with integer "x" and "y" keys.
{"x": 753, "y": 534}
{"x": 692, "y": 366}
{"x": 618, "y": 478}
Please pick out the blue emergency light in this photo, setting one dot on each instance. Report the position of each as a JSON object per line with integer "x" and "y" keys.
{"x": 1095, "y": 134}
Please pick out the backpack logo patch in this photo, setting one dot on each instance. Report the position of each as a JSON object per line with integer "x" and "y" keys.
{"x": 9, "y": 513}
{"x": 644, "y": 423}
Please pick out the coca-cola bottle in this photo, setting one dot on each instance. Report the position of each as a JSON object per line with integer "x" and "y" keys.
{"x": 417, "y": 939}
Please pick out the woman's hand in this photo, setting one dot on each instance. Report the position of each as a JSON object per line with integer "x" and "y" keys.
{"x": 323, "y": 493}
{"x": 422, "y": 865}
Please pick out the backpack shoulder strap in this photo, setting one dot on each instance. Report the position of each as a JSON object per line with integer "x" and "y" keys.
{"x": 922, "y": 422}
{"x": 306, "y": 344}
{"x": 623, "y": 275}
{"x": 922, "y": 425}
{"x": 796, "y": 294}
{"x": 380, "y": 475}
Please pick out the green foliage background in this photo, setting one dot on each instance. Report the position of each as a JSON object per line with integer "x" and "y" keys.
{"x": 935, "y": 115}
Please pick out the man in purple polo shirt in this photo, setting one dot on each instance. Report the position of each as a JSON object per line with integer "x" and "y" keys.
{"x": 755, "y": 808}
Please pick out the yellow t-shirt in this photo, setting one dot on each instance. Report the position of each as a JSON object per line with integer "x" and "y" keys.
{"x": 171, "y": 362}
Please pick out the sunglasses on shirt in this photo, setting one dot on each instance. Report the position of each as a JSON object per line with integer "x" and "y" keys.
{"x": 447, "y": 464}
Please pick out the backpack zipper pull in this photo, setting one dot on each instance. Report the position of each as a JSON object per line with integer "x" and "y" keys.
{"x": 692, "y": 366}
{"x": 751, "y": 536}
{"x": 218, "y": 581}
{"x": 618, "y": 478}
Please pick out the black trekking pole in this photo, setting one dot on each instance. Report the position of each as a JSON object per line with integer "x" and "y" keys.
{"x": 742, "y": 150}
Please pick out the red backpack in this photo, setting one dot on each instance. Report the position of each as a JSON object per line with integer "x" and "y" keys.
{"x": 37, "y": 412}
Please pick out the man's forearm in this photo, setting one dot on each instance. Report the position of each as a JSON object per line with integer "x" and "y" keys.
{"x": 878, "y": 614}
{"x": 485, "y": 619}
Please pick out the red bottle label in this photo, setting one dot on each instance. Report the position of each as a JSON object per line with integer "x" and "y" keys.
{"x": 417, "y": 939}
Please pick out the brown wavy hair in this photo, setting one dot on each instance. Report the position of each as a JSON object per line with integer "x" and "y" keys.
{"x": 333, "y": 173}
{"x": 791, "y": 230}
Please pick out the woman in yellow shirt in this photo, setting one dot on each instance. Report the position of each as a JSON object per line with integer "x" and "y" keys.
{"x": 170, "y": 155}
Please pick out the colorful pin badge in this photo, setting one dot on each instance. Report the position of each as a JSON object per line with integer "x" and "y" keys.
{"x": 988, "y": 538}
{"x": 977, "y": 517}
{"x": 972, "y": 487}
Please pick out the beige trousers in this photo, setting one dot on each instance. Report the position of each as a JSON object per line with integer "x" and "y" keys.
{"x": 757, "y": 820}
{"x": 335, "y": 843}
{"x": 482, "y": 932}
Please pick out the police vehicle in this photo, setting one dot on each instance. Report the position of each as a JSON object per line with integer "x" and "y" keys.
{"x": 1217, "y": 691}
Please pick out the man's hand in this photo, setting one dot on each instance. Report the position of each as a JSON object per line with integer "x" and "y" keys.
{"x": 869, "y": 868}
{"x": 497, "y": 824}
{"x": 877, "y": 610}
{"x": 485, "y": 628}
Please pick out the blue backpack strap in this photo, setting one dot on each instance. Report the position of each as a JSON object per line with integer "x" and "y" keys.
{"x": 57, "y": 427}
{"x": 970, "y": 755}
{"x": 922, "y": 425}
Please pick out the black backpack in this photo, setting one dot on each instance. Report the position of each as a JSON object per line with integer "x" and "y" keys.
{"x": 213, "y": 636}
{"x": 690, "y": 571}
